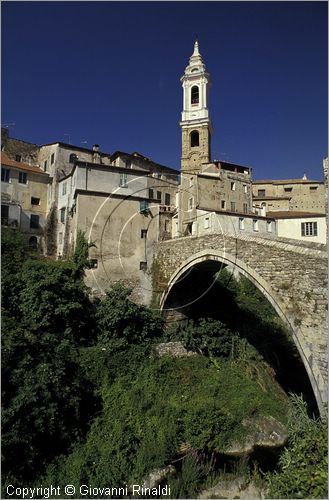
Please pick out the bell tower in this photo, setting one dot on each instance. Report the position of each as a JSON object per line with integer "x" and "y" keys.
{"x": 195, "y": 122}
{"x": 196, "y": 135}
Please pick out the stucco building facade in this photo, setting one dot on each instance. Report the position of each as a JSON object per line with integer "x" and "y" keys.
{"x": 301, "y": 195}
{"x": 24, "y": 199}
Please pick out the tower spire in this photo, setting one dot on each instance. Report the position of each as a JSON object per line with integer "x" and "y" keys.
{"x": 196, "y": 46}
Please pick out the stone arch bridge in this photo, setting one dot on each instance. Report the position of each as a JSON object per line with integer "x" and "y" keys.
{"x": 291, "y": 274}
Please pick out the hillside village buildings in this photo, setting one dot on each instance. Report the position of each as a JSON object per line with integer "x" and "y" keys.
{"x": 125, "y": 203}
{"x": 24, "y": 191}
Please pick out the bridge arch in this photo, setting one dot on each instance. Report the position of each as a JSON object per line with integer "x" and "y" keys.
{"x": 225, "y": 259}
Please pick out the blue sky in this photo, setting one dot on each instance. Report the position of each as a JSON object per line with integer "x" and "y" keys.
{"x": 109, "y": 73}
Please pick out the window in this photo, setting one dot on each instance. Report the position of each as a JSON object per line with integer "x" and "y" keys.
{"x": 33, "y": 243}
{"x": 241, "y": 223}
{"x": 245, "y": 188}
{"x": 195, "y": 94}
{"x": 143, "y": 207}
{"x": 233, "y": 206}
{"x": 309, "y": 228}
{"x": 206, "y": 223}
{"x": 188, "y": 229}
{"x": 167, "y": 199}
{"x": 191, "y": 181}
{"x": 143, "y": 233}
{"x": 255, "y": 225}
{"x": 288, "y": 189}
{"x": 159, "y": 195}
{"x": 45, "y": 163}
{"x": 128, "y": 163}
{"x": 151, "y": 195}
{"x": 232, "y": 186}
{"x": 223, "y": 204}
{"x": 22, "y": 177}
{"x": 245, "y": 208}
{"x": 34, "y": 221}
{"x": 93, "y": 263}
{"x": 313, "y": 188}
{"x": 143, "y": 266}
{"x": 5, "y": 174}
{"x": 190, "y": 203}
{"x": 64, "y": 189}
{"x": 194, "y": 137}
{"x": 261, "y": 193}
{"x": 4, "y": 214}
{"x": 52, "y": 158}
{"x": 62, "y": 215}
{"x": 18, "y": 157}
{"x": 60, "y": 238}
{"x": 123, "y": 180}
{"x": 35, "y": 201}
{"x": 269, "y": 226}
{"x": 73, "y": 157}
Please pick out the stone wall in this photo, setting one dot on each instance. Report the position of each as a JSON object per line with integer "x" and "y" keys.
{"x": 13, "y": 147}
{"x": 292, "y": 275}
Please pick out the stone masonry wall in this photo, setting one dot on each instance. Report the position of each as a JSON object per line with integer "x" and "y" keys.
{"x": 292, "y": 275}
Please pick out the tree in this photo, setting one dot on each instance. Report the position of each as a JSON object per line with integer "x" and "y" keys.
{"x": 81, "y": 252}
{"x": 121, "y": 322}
{"x": 13, "y": 254}
{"x": 46, "y": 397}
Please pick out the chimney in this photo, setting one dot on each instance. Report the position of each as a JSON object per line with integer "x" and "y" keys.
{"x": 96, "y": 155}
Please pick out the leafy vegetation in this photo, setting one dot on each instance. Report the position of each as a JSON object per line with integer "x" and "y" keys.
{"x": 303, "y": 465}
{"x": 86, "y": 399}
{"x": 148, "y": 417}
{"x": 121, "y": 322}
{"x": 44, "y": 390}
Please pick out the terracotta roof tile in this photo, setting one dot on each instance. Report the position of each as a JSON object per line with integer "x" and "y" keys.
{"x": 8, "y": 162}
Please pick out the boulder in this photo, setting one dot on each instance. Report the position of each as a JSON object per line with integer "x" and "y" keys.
{"x": 234, "y": 488}
{"x": 263, "y": 431}
{"x": 157, "y": 476}
{"x": 174, "y": 349}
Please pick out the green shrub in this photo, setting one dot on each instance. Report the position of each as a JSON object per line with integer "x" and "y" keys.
{"x": 303, "y": 465}
{"x": 121, "y": 322}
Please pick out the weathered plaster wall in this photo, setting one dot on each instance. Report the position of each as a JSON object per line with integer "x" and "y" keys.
{"x": 115, "y": 227}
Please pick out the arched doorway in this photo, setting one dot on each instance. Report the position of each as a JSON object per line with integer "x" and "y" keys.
{"x": 33, "y": 243}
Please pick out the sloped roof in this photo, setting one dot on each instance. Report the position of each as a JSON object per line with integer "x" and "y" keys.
{"x": 139, "y": 156}
{"x": 287, "y": 181}
{"x": 8, "y": 162}
{"x": 289, "y": 214}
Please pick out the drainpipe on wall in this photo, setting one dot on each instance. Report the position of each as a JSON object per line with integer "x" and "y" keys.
{"x": 86, "y": 187}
